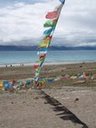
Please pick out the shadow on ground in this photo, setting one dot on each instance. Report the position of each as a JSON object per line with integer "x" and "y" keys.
{"x": 64, "y": 113}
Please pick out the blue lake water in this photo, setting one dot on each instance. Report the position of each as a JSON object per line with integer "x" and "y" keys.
{"x": 68, "y": 56}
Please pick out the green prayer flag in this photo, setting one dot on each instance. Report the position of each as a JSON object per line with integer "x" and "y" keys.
{"x": 50, "y": 23}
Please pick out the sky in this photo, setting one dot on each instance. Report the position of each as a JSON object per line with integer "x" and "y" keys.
{"x": 21, "y": 22}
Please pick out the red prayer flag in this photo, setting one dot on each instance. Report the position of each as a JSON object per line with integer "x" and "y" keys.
{"x": 52, "y": 15}
{"x": 48, "y": 38}
{"x": 36, "y": 66}
{"x": 42, "y": 56}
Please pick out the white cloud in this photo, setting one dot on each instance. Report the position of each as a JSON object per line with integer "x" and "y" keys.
{"x": 76, "y": 26}
{"x": 22, "y": 21}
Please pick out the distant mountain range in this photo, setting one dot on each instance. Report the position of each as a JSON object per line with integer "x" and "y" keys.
{"x": 33, "y": 48}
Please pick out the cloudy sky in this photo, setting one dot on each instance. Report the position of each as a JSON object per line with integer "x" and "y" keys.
{"x": 21, "y": 22}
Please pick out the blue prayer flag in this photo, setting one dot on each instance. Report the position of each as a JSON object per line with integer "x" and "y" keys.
{"x": 62, "y": 1}
{"x": 48, "y": 31}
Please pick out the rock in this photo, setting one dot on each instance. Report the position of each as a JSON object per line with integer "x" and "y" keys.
{"x": 77, "y": 99}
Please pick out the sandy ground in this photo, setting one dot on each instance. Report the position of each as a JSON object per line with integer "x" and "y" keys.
{"x": 22, "y": 72}
{"x": 32, "y": 110}
{"x": 63, "y": 104}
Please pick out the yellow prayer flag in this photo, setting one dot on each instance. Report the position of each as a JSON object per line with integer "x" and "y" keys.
{"x": 1, "y": 85}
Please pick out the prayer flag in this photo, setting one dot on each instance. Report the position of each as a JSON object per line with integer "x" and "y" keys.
{"x": 48, "y": 31}
{"x": 62, "y": 1}
{"x": 50, "y": 23}
{"x": 52, "y": 15}
{"x": 42, "y": 56}
{"x": 45, "y": 43}
{"x": 36, "y": 66}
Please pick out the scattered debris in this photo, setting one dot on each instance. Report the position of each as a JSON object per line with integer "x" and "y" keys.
{"x": 77, "y": 99}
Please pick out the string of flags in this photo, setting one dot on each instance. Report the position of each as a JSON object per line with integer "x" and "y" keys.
{"x": 79, "y": 78}
{"x": 50, "y": 25}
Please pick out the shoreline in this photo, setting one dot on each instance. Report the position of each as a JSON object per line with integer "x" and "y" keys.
{"x": 46, "y": 63}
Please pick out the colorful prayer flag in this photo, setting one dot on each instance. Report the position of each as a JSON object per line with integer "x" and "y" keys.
{"x": 62, "y": 1}
{"x": 52, "y": 15}
{"x": 41, "y": 52}
{"x": 36, "y": 66}
{"x": 45, "y": 43}
{"x": 48, "y": 31}
{"x": 42, "y": 56}
{"x": 50, "y": 23}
